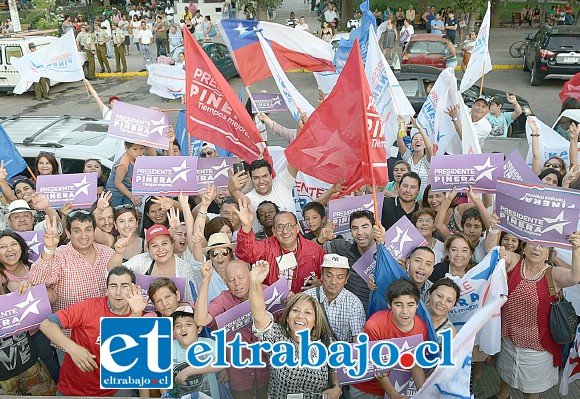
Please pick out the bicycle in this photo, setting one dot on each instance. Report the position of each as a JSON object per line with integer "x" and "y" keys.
{"x": 518, "y": 49}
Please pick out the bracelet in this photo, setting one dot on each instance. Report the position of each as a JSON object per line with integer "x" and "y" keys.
{"x": 455, "y": 119}
{"x": 49, "y": 251}
{"x": 493, "y": 231}
{"x": 535, "y": 135}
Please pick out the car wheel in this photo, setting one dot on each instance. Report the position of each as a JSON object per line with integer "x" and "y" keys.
{"x": 86, "y": 68}
{"x": 534, "y": 80}
{"x": 525, "y": 66}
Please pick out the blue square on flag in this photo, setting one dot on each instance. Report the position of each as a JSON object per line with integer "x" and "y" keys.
{"x": 136, "y": 353}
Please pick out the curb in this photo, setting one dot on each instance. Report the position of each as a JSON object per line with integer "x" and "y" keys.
{"x": 300, "y": 70}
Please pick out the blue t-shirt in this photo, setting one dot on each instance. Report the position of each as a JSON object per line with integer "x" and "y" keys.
{"x": 500, "y": 124}
{"x": 437, "y": 23}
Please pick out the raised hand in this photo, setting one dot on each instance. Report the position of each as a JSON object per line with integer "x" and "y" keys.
{"x": 66, "y": 209}
{"x": 259, "y": 271}
{"x": 171, "y": 134}
{"x": 573, "y": 131}
{"x": 104, "y": 200}
{"x": 165, "y": 202}
{"x": 208, "y": 196}
{"x": 511, "y": 98}
{"x": 173, "y": 217}
{"x": 494, "y": 221}
{"x": 570, "y": 177}
{"x": 51, "y": 236}
{"x": 453, "y": 111}
{"x": 183, "y": 201}
{"x": 134, "y": 297}
{"x": 238, "y": 180}
{"x": 40, "y": 202}
{"x": 532, "y": 122}
{"x": 574, "y": 238}
{"x": 206, "y": 270}
{"x": 327, "y": 232}
{"x": 379, "y": 233}
{"x": 338, "y": 187}
{"x": 121, "y": 245}
{"x": 3, "y": 172}
{"x": 246, "y": 213}
{"x": 450, "y": 195}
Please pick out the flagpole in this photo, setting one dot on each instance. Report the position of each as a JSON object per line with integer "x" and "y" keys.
{"x": 482, "y": 77}
{"x": 31, "y": 173}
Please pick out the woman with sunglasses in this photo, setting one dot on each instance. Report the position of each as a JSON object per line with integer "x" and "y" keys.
{"x": 160, "y": 261}
{"x": 529, "y": 357}
{"x": 556, "y": 163}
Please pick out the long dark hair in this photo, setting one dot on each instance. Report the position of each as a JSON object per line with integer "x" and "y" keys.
{"x": 24, "y": 255}
{"x": 146, "y": 221}
{"x": 51, "y": 159}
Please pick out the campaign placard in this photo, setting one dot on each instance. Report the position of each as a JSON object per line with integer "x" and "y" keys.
{"x": 402, "y": 238}
{"x": 406, "y": 344}
{"x": 139, "y": 125}
{"x": 366, "y": 264}
{"x": 339, "y": 210}
{"x": 214, "y": 171}
{"x": 145, "y": 281}
{"x": 515, "y": 168}
{"x": 536, "y": 224}
{"x": 268, "y": 102}
{"x": 35, "y": 241}
{"x": 239, "y": 317}
{"x": 78, "y": 189}
{"x": 479, "y": 171}
{"x": 23, "y": 312}
{"x": 540, "y": 195}
{"x": 165, "y": 176}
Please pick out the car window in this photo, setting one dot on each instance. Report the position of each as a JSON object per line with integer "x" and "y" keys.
{"x": 13, "y": 51}
{"x": 1, "y": 54}
{"x": 69, "y": 165}
{"x": 564, "y": 43}
{"x": 223, "y": 49}
{"x": 410, "y": 87}
{"x": 215, "y": 53}
{"x": 426, "y": 48}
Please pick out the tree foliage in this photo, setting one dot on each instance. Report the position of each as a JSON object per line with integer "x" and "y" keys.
{"x": 45, "y": 6}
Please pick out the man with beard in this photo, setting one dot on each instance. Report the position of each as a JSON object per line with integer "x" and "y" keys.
{"x": 265, "y": 213}
{"x": 364, "y": 233}
{"x": 405, "y": 204}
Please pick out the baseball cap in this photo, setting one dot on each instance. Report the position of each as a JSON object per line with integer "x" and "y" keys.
{"x": 483, "y": 98}
{"x": 156, "y": 230}
{"x": 113, "y": 98}
{"x": 18, "y": 206}
{"x": 336, "y": 261}
{"x": 208, "y": 145}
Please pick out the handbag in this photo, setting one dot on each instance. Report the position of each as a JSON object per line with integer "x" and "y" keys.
{"x": 212, "y": 32}
{"x": 563, "y": 319}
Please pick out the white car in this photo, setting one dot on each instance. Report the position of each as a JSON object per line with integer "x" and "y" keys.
{"x": 336, "y": 39}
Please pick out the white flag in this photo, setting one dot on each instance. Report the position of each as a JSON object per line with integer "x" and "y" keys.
{"x": 390, "y": 100}
{"x": 292, "y": 97}
{"x": 167, "y": 81}
{"x": 432, "y": 117}
{"x": 326, "y": 81}
{"x": 551, "y": 143}
{"x": 485, "y": 282}
{"x": 572, "y": 369}
{"x": 469, "y": 138}
{"x": 453, "y": 382}
{"x": 480, "y": 61}
{"x": 58, "y": 61}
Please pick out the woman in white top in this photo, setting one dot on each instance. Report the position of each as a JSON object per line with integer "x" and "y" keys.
{"x": 406, "y": 32}
{"x": 135, "y": 26}
{"x": 420, "y": 155}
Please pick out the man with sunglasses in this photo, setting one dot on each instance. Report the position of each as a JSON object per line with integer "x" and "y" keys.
{"x": 75, "y": 271}
{"x": 208, "y": 150}
{"x": 289, "y": 254}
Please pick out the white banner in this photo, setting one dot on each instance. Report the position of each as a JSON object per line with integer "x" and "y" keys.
{"x": 58, "y": 61}
{"x": 167, "y": 81}
{"x": 480, "y": 61}
{"x": 390, "y": 100}
{"x": 295, "y": 101}
{"x": 551, "y": 143}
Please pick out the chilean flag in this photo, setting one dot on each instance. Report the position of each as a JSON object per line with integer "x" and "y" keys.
{"x": 293, "y": 48}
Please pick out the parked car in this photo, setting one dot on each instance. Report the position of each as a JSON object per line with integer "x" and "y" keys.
{"x": 72, "y": 140}
{"x": 424, "y": 49}
{"x": 414, "y": 80}
{"x": 218, "y": 53}
{"x": 553, "y": 53}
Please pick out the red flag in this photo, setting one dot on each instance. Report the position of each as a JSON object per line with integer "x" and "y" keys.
{"x": 214, "y": 112}
{"x": 571, "y": 88}
{"x": 344, "y": 138}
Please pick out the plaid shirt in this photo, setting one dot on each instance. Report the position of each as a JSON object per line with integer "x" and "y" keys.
{"x": 175, "y": 39}
{"x": 71, "y": 276}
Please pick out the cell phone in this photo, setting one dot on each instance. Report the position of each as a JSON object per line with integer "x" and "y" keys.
{"x": 308, "y": 281}
{"x": 238, "y": 167}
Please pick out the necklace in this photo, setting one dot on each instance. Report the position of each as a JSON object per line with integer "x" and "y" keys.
{"x": 536, "y": 277}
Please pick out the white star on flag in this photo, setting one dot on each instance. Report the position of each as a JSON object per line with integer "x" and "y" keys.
{"x": 241, "y": 29}
{"x": 485, "y": 170}
{"x": 183, "y": 170}
{"x": 274, "y": 299}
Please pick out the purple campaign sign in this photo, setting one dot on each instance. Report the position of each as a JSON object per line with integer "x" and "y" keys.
{"x": 515, "y": 168}
{"x": 339, "y": 210}
{"x": 402, "y": 382}
{"x": 214, "y": 171}
{"x": 536, "y": 224}
{"x": 79, "y": 189}
{"x": 540, "y": 195}
{"x": 365, "y": 265}
{"x": 406, "y": 344}
{"x": 268, "y": 102}
{"x": 402, "y": 238}
{"x": 165, "y": 176}
{"x": 239, "y": 317}
{"x": 479, "y": 171}
{"x": 145, "y": 281}
{"x": 35, "y": 241}
{"x": 23, "y": 312}
{"x": 139, "y": 125}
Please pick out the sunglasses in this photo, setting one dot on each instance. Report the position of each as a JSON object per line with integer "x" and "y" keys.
{"x": 553, "y": 165}
{"x": 206, "y": 154}
{"x": 124, "y": 206}
{"x": 216, "y": 252}
{"x": 79, "y": 212}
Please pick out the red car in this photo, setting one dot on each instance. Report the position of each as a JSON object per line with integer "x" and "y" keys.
{"x": 424, "y": 49}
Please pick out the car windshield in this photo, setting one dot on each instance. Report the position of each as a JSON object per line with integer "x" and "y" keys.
{"x": 426, "y": 48}
{"x": 564, "y": 43}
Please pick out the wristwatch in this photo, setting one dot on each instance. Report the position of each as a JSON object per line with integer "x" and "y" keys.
{"x": 455, "y": 119}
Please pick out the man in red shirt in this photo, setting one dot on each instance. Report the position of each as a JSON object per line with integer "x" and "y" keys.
{"x": 289, "y": 254}
{"x": 397, "y": 322}
{"x": 80, "y": 373}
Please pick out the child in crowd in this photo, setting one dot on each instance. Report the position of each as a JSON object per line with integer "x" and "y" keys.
{"x": 119, "y": 183}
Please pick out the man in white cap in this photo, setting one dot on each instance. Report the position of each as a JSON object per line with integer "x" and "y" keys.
{"x": 344, "y": 311}
{"x": 208, "y": 150}
{"x": 21, "y": 217}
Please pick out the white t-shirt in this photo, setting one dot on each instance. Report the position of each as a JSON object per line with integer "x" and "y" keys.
{"x": 146, "y": 36}
{"x": 281, "y": 195}
{"x": 482, "y": 129}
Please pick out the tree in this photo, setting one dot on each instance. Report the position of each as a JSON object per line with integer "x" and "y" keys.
{"x": 494, "y": 18}
{"x": 471, "y": 8}
{"x": 45, "y": 6}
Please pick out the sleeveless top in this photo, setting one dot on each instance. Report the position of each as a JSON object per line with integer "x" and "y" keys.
{"x": 127, "y": 180}
{"x": 526, "y": 314}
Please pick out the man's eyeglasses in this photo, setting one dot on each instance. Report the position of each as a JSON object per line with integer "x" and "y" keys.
{"x": 79, "y": 212}
{"x": 427, "y": 221}
{"x": 282, "y": 227}
{"x": 216, "y": 252}
{"x": 553, "y": 165}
